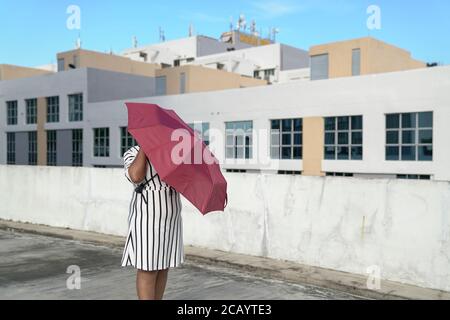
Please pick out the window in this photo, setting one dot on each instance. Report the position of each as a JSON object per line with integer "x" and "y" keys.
{"x": 77, "y": 147}
{"x": 202, "y": 128}
{"x": 126, "y": 140}
{"x": 286, "y": 139}
{"x": 268, "y": 73}
{"x": 339, "y": 174}
{"x": 101, "y": 142}
{"x": 183, "y": 82}
{"x": 31, "y": 105}
{"x": 61, "y": 64}
{"x": 356, "y": 62}
{"x": 51, "y": 147}
{"x": 176, "y": 63}
{"x": 344, "y": 138}
{"x": 32, "y": 148}
{"x": 256, "y": 74}
{"x": 288, "y": 172}
{"x": 319, "y": 67}
{"x": 413, "y": 177}
{"x": 238, "y": 140}
{"x": 76, "y": 107}
{"x": 53, "y": 109}
{"x": 11, "y": 112}
{"x": 161, "y": 86}
{"x": 409, "y": 137}
{"x": 10, "y": 148}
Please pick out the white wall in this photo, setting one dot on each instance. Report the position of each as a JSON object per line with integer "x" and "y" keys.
{"x": 338, "y": 223}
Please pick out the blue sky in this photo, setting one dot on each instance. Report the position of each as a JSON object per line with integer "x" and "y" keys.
{"x": 33, "y": 31}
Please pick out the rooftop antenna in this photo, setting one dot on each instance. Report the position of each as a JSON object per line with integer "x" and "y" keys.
{"x": 191, "y": 30}
{"x": 274, "y": 33}
{"x": 231, "y": 24}
{"x": 162, "y": 37}
{"x": 242, "y": 23}
{"x": 135, "y": 42}
{"x": 111, "y": 50}
{"x": 78, "y": 42}
{"x": 253, "y": 28}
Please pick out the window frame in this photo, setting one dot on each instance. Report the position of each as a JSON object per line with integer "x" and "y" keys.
{"x": 401, "y": 130}
{"x": 101, "y": 142}
{"x": 246, "y": 134}
{"x": 280, "y": 133}
{"x": 337, "y": 132}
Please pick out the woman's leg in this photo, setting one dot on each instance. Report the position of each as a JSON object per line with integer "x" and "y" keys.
{"x": 161, "y": 280}
{"x": 146, "y": 284}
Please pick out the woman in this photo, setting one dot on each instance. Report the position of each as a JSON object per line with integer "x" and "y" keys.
{"x": 155, "y": 233}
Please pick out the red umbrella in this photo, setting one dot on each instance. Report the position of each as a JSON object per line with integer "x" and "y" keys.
{"x": 180, "y": 157}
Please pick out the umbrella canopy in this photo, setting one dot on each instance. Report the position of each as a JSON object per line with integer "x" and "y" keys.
{"x": 180, "y": 157}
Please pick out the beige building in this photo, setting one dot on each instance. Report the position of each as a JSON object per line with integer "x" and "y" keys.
{"x": 12, "y": 72}
{"x": 193, "y": 78}
{"x": 359, "y": 57}
{"x": 81, "y": 58}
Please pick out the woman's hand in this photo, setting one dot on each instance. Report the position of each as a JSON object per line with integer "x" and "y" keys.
{"x": 138, "y": 167}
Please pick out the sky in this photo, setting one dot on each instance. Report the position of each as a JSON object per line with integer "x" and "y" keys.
{"x": 33, "y": 31}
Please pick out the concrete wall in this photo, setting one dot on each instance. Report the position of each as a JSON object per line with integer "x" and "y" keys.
{"x": 403, "y": 227}
{"x": 293, "y": 58}
{"x": 376, "y": 57}
{"x": 201, "y": 79}
{"x": 108, "y": 85}
{"x": 103, "y": 61}
{"x": 11, "y": 72}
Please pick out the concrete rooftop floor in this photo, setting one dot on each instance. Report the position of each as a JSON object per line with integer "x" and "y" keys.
{"x": 34, "y": 267}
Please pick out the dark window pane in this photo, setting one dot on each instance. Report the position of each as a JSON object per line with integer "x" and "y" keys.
{"x": 408, "y": 137}
{"x": 426, "y": 120}
{"x": 426, "y": 136}
{"x": 330, "y": 124}
{"x": 276, "y": 124}
{"x": 297, "y": 152}
{"x": 287, "y": 125}
{"x": 408, "y": 120}
{"x": 286, "y": 153}
{"x": 408, "y": 153}
{"x": 425, "y": 153}
{"x": 330, "y": 153}
{"x": 357, "y": 153}
{"x": 357, "y": 138}
{"x": 392, "y": 121}
{"x": 286, "y": 140}
{"x": 343, "y": 153}
{"x": 357, "y": 123}
{"x": 297, "y": 124}
{"x": 297, "y": 138}
{"x": 343, "y": 138}
{"x": 329, "y": 138}
{"x": 392, "y": 153}
{"x": 392, "y": 137}
{"x": 343, "y": 123}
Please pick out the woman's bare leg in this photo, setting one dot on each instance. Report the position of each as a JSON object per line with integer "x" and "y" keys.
{"x": 161, "y": 280}
{"x": 146, "y": 284}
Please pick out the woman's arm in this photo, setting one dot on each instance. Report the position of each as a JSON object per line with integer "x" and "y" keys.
{"x": 138, "y": 167}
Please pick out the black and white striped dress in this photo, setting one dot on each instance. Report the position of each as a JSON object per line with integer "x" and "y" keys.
{"x": 155, "y": 229}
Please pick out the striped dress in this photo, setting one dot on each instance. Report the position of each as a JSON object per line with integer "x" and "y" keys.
{"x": 155, "y": 230}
